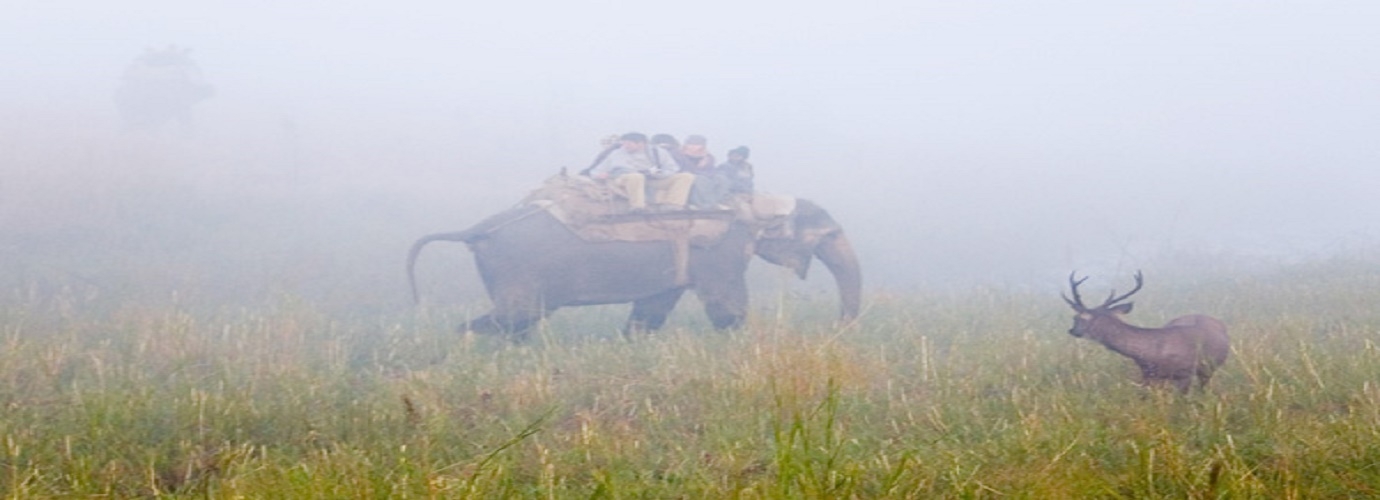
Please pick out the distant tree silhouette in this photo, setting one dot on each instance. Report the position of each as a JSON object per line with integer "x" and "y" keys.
{"x": 161, "y": 86}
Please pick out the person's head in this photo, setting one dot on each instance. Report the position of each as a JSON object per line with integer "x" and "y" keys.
{"x": 695, "y": 144}
{"x": 739, "y": 154}
{"x": 633, "y": 141}
{"x": 666, "y": 140}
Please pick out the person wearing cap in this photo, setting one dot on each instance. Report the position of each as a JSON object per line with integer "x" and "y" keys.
{"x": 737, "y": 170}
{"x": 633, "y": 167}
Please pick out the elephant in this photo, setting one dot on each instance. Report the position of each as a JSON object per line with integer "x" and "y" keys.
{"x": 532, "y": 264}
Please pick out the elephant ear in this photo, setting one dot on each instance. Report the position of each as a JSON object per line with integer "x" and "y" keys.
{"x": 788, "y": 253}
{"x": 813, "y": 225}
{"x": 810, "y": 226}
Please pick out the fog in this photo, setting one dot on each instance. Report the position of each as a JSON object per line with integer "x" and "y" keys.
{"x": 959, "y": 144}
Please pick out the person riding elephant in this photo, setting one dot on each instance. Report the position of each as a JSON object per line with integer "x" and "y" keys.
{"x": 667, "y": 143}
{"x": 733, "y": 177}
{"x": 706, "y": 192}
{"x": 737, "y": 171}
{"x": 633, "y": 168}
{"x": 696, "y": 152}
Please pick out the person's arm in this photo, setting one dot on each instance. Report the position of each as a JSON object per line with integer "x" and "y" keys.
{"x": 663, "y": 161}
{"x": 614, "y": 163}
{"x": 683, "y": 162}
{"x": 599, "y": 160}
{"x": 707, "y": 163}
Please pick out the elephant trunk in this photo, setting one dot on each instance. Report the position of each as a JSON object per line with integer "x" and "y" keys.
{"x": 463, "y": 236}
{"x": 837, "y": 254}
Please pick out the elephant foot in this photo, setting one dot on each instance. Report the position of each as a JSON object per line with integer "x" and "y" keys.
{"x": 724, "y": 318}
{"x": 636, "y": 329}
{"x": 727, "y": 323}
{"x": 515, "y": 328}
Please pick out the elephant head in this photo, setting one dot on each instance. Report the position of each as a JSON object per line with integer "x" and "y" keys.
{"x": 811, "y": 234}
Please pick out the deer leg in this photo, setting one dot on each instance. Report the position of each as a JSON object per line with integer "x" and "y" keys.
{"x": 1204, "y": 374}
{"x": 1183, "y": 383}
{"x": 1151, "y": 378}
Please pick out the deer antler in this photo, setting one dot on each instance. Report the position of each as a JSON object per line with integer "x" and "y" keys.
{"x": 1077, "y": 302}
{"x": 1113, "y": 298}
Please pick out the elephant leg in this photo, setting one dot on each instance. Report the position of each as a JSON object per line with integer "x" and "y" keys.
{"x": 516, "y": 310}
{"x": 1184, "y": 384}
{"x": 514, "y": 318}
{"x": 650, "y": 313}
{"x": 725, "y": 305}
{"x": 719, "y": 275}
{"x": 495, "y": 323}
{"x": 723, "y": 316}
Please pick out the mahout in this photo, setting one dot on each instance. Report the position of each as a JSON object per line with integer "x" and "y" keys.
{"x": 1174, "y": 353}
{"x": 532, "y": 263}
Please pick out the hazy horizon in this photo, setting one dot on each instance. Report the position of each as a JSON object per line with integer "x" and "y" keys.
{"x": 1005, "y": 142}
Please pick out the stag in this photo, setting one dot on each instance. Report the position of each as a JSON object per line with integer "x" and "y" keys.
{"x": 1174, "y": 353}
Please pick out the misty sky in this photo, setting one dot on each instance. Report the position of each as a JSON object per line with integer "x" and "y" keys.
{"x": 991, "y": 140}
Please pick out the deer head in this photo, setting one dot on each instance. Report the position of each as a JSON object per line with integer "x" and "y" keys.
{"x": 1089, "y": 320}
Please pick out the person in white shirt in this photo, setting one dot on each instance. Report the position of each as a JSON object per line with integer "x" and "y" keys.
{"x": 634, "y": 167}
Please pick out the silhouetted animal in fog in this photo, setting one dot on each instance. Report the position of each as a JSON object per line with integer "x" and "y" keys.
{"x": 1174, "y": 353}
{"x": 531, "y": 264}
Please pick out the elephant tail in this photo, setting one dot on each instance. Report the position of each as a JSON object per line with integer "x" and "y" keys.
{"x": 469, "y": 236}
{"x": 466, "y": 236}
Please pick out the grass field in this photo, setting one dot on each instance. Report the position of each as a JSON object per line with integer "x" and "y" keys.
{"x": 162, "y": 338}
{"x": 977, "y": 393}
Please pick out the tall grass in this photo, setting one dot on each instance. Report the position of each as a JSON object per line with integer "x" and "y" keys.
{"x": 973, "y": 394}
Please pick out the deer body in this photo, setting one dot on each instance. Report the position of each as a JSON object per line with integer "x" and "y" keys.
{"x": 1187, "y": 346}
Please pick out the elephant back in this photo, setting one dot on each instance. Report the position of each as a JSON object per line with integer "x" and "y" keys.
{"x": 594, "y": 212}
